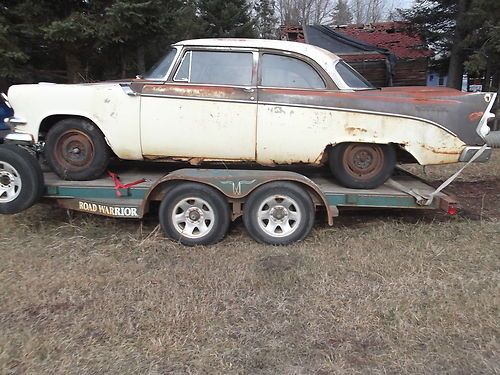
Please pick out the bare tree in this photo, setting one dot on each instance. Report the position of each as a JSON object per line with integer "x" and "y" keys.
{"x": 358, "y": 10}
{"x": 341, "y": 14}
{"x": 369, "y": 11}
{"x": 298, "y": 12}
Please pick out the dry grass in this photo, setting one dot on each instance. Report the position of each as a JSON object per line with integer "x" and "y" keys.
{"x": 375, "y": 294}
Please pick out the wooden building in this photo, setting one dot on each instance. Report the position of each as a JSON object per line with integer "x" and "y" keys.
{"x": 387, "y": 53}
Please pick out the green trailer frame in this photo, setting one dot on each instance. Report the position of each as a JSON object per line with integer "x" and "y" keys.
{"x": 108, "y": 197}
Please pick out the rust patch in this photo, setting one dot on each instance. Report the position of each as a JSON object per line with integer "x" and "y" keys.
{"x": 442, "y": 150}
{"x": 215, "y": 92}
{"x": 475, "y": 116}
{"x": 375, "y": 95}
{"x": 195, "y": 161}
{"x": 319, "y": 159}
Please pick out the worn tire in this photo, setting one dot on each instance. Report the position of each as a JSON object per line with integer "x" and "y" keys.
{"x": 76, "y": 150}
{"x": 210, "y": 210}
{"x": 285, "y": 201}
{"x": 362, "y": 165}
{"x": 20, "y": 171}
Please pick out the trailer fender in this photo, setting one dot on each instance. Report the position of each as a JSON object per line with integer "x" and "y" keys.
{"x": 236, "y": 185}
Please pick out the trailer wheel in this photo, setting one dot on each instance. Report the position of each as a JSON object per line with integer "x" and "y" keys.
{"x": 76, "y": 150}
{"x": 279, "y": 213}
{"x": 21, "y": 179}
{"x": 362, "y": 165}
{"x": 194, "y": 214}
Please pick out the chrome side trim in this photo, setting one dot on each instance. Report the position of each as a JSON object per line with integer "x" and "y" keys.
{"x": 199, "y": 98}
{"x": 302, "y": 106}
{"x": 486, "y": 116}
{"x": 15, "y": 121}
{"x": 469, "y": 151}
{"x": 19, "y": 138}
{"x": 362, "y": 111}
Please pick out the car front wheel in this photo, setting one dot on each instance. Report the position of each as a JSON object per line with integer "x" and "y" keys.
{"x": 362, "y": 165}
{"x": 194, "y": 214}
{"x": 76, "y": 150}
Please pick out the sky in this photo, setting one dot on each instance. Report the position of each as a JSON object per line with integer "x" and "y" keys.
{"x": 402, "y": 3}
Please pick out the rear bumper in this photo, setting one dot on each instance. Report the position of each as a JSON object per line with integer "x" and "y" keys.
{"x": 470, "y": 151}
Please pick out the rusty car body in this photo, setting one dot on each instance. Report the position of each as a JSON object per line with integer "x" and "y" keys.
{"x": 257, "y": 101}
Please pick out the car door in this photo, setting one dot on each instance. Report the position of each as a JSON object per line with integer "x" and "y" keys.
{"x": 206, "y": 110}
{"x": 289, "y": 127}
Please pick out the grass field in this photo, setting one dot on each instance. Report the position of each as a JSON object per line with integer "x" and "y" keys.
{"x": 378, "y": 293}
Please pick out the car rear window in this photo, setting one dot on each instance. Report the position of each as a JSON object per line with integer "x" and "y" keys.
{"x": 216, "y": 67}
{"x": 284, "y": 71}
{"x": 351, "y": 77}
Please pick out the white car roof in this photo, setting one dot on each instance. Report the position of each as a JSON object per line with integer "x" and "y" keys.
{"x": 316, "y": 53}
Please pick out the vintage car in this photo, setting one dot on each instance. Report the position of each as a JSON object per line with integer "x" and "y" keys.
{"x": 253, "y": 101}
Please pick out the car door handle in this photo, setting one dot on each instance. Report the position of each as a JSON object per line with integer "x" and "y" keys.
{"x": 249, "y": 90}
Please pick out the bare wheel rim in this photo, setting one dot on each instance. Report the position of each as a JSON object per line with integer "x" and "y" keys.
{"x": 193, "y": 217}
{"x": 363, "y": 161}
{"x": 74, "y": 150}
{"x": 279, "y": 216}
{"x": 10, "y": 183}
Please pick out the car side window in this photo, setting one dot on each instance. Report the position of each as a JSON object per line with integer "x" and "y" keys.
{"x": 216, "y": 68}
{"x": 285, "y": 71}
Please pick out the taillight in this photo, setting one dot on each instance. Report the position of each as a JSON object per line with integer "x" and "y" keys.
{"x": 452, "y": 209}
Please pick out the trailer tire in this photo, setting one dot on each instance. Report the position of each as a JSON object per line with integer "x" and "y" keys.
{"x": 283, "y": 205}
{"x": 76, "y": 150}
{"x": 194, "y": 214}
{"x": 21, "y": 179}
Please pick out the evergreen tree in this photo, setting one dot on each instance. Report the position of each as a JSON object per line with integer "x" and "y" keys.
{"x": 80, "y": 40}
{"x": 55, "y": 35}
{"x": 265, "y": 20}
{"x": 455, "y": 29}
{"x": 226, "y": 18}
{"x": 11, "y": 57}
{"x": 130, "y": 26}
{"x": 341, "y": 14}
{"x": 484, "y": 43}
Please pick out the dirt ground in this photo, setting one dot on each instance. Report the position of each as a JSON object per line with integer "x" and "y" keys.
{"x": 380, "y": 292}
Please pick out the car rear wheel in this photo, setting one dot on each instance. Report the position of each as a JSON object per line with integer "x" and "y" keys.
{"x": 76, "y": 150}
{"x": 362, "y": 165}
{"x": 279, "y": 213}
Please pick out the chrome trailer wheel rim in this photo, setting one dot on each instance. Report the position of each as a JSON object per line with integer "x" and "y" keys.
{"x": 10, "y": 183}
{"x": 279, "y": 216}
{"x": 193, "y": 217}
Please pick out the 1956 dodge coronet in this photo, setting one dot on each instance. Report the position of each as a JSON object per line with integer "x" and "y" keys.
{"x": 257, "y": 101}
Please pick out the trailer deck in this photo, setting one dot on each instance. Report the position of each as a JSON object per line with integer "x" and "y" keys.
{"x": 102, "y": 196}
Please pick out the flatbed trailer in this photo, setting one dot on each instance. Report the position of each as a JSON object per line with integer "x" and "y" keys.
{"x": 195, "y": 206}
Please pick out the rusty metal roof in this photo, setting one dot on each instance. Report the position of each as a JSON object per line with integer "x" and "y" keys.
{"x": 396, "y": 37}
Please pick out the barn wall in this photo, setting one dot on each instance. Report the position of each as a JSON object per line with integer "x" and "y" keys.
{"x": 411, "y": 72}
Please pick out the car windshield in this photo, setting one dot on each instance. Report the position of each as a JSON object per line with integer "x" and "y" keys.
{"x": 351, "y": 77}
{"x": 160, "y": 69}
